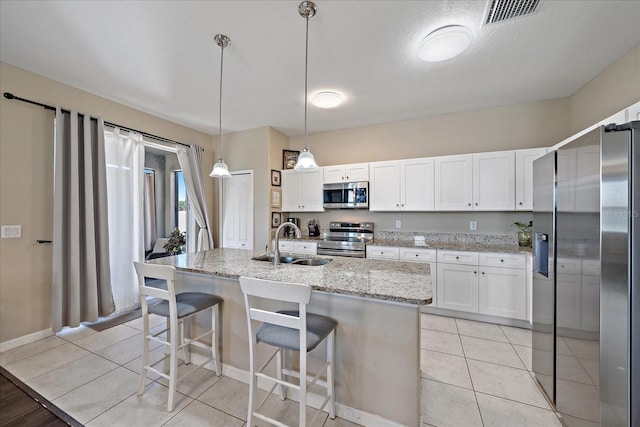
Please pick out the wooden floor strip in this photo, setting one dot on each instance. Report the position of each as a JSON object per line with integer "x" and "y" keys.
{"x": 20, "y": 405}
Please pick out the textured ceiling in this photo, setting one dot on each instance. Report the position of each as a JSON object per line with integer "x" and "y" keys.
{"x": 159, "y": 56}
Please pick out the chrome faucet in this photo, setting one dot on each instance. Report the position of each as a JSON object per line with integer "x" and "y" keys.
{"x": 276, "y": 250}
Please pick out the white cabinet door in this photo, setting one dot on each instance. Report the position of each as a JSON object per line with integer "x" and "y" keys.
{"x": 524, "y": 177}
{"x": 346, "y": 173}
{"x": 356, "y": 172}
{"x": 417, "y": 184}
{"x": 237, "y": 214}
{"x": 502, "y": 292}
{"x": 458, "y": 287}
{"x": 290, "y": 191}
{"x": 310, "y": 248}
{"x": 302, "y": 191}
{"x": 333, "y": 174}
{"x": 384, "y": 186}
{"x": 311, "y": 191}
{"x": 494, "y": 181}
{"x": 453, "y": 183}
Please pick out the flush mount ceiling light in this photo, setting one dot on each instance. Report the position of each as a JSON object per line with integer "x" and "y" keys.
{"x": 220, "y": 168}
{"x": 445, "y": 43}
{"x": 326, "y": 99}
{"x": 306, "y": 162}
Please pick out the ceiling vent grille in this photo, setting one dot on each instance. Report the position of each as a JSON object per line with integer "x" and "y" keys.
{"x": 501, "y": 10}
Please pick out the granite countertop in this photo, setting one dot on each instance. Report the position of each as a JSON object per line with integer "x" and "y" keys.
{"x": 454, "y": 246}
{"x": 383, "y": 280}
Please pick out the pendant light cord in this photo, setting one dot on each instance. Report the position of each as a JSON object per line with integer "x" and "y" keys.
{"x": 220, "y": 104}
{"x": 306, "y": 72}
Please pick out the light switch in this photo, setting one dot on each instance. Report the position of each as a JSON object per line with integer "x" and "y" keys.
{"x": 473, "y": 225}
{"x": 398, "y": 223}
{"x": 11, "y": 231}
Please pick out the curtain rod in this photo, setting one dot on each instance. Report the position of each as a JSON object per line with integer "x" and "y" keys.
{"x": 9, "y": 95}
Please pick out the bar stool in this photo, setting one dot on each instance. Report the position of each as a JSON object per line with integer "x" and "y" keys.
{"x": 287, "y": 330}
{"x": 177, "y": 308}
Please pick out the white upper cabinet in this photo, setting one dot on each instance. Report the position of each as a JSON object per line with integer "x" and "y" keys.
{"x": 416, "y": 184}
{"x": 405, "y": 185}
{"x": 384, "y": 186}
{"x": 483, "y": 182}
{"x": 346, "y": 173}
{"x": 453, "y": 183}
{"x": 494, "y": 181}
{"x": 524, "y": 177}
{"x": 302, "y": 191}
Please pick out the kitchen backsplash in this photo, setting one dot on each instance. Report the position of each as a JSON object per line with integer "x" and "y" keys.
{"x": 450, "y": 238}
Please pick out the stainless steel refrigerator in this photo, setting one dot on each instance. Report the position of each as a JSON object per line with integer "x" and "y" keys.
{"x": 585, "y": 348}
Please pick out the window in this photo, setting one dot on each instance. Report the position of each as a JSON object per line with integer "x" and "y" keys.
{"x": 180, "y": 202}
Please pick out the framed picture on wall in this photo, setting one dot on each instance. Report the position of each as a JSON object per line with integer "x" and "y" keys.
{"x": 275, "y": 219}
{"x": 275, "y": 178}
{"x": 275, "y": 197}
{"x": 289, "y": 158}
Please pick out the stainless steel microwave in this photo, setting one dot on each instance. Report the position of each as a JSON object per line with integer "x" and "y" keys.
{"x": 346, "y": 195}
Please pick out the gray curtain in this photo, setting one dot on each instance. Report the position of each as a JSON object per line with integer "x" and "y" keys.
{"x": 150, "y": 232}
{"x": 81, "y": 279}
{"x": 191, "y": 163}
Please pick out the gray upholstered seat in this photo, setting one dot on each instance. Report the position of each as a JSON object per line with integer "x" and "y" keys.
{"x": 318, "y": 327}
{"x": 187, "y": 303}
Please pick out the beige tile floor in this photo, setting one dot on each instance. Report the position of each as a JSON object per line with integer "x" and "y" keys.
{"x": 473, "y": 374}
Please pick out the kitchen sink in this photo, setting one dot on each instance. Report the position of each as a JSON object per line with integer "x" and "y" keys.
{"x": 312, "y": 261}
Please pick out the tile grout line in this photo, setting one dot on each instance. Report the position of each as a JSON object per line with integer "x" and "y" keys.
{"x": 473, "y": 387}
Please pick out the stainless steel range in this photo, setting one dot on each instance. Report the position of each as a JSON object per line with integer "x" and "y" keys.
{"x": 347, "y": 239}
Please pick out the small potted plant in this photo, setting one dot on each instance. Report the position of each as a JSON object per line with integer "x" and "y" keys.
{"x": 176, "y": 241}
{"x": 524, "y": 233}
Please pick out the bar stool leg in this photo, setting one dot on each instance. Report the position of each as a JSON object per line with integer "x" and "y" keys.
{"x": 185, "y": 350}
{"x": 252, "y": 383}
{"x": 330, "y": 373}
{"x": 303, "y": 387}
{"x": 215, "y": 324}
{"x": 279, "y": 361}
{"x": 145, "y": 352}
{"x": 173, "y": 367}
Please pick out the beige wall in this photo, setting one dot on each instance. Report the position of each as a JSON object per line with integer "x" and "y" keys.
{"x": 536, "y": 124}
{"x": 614, "y": 89}
{"x": 26, "y": 188}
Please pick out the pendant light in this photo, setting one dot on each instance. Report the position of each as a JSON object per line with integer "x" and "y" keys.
{"x": 306, "y": 162}
{"x": 220, "y": 168}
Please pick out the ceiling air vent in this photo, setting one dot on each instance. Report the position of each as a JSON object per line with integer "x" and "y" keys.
{"x": 501, "y": 10}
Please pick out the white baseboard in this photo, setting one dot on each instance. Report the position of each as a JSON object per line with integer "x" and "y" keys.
{"x": 25, "y": 339}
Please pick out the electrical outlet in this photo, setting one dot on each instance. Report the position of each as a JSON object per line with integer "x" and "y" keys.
{"x": 11, "y": 231}
{"x": 398, "y": 223}
{"x": 473, "y": 225}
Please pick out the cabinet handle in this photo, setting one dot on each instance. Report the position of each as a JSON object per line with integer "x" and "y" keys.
{"x": 403, "y": 205}
{"x": 520, "y": 203}
{"x": 475, "y": 272}
{"x": 417, "y": 254}
{"x": 342, "y": 178}
{"x": 501, "y": 260}
{"x": 397, "y": 205}
{"x": 483, "y": 273}
{"x": 457, "y": 257}
{"x": 347, "y": 178}
{"x": 469, "y": 204}
{"x": 476, "y": 204}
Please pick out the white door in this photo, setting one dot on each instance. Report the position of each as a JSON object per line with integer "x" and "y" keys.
{"x": 384, "y": 186}
{"x": 356, "y": 172}
{"x": 494, "y": 181}
{"x": 524, "y": 177}
{"x": 237, "y": 208}
{"x": 333, "y": 174}
{"x": 458, "y": 287}
{"x": 416, "y": 184}
{"x": 453, "y": 181}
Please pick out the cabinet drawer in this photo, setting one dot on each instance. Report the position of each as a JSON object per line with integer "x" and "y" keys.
{"x": 458, "y": 257}
{"x": 496, "y": 259}
{"x": 305, "y": 247}
{"x": 383, "y": 252}
{"x": 285, "y": 246}
{"x": 569, "y": 265}
{"x": 418, "y": 255}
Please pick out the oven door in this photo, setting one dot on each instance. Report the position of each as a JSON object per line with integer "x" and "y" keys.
{"x": 350, "y": 249}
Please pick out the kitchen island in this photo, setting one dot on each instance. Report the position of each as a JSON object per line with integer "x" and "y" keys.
{"x": 377, "y": 305}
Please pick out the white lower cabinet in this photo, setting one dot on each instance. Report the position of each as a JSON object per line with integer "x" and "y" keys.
{"x": 488, "y": 283}
{"x": 425, "y": 256}
{"x": 503, "y": 292}
{"x": 458, "y": 287}
{"x": 383, "y": 252}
